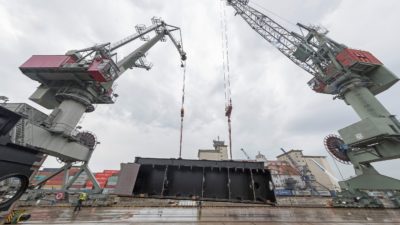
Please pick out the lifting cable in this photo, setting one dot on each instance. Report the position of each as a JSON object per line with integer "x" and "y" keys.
{"x": 337, "y": 167}
{"x": 182, "y": 108}
{"x": 226, "y": 72}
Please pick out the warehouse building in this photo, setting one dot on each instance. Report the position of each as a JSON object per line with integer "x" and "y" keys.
{"x": 311, "y": 163}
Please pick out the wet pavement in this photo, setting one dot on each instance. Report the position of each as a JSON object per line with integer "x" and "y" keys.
{"x": 212, "y": 215}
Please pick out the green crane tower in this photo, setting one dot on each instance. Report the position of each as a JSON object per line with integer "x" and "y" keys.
{"x": 355, "y": 76}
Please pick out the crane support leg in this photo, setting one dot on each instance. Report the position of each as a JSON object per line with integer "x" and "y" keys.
{"x": 375, "y": 138}
{"x": 370, "y": 179}
{"x": 365, "y": 103}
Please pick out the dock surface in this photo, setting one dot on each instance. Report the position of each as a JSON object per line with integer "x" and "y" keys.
{"x": 211, "y": 215}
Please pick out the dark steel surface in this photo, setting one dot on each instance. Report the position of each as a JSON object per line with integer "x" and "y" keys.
{"x": 15, "y": 160}
{"x": 200, "y": 163}
{"x": 8, "y": 119}
{"x": 127, "y": 179}
{"x": 211, "y": 215}
{"x": 207, "y": 180}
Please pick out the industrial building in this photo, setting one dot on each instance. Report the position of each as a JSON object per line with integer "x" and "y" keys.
{"x": 220, "y": 152}
{"x": 284, "y": 175}
{"x": 310, "y": 163}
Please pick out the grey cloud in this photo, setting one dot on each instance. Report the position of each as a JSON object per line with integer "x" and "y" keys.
{"x": 273, "y": 107}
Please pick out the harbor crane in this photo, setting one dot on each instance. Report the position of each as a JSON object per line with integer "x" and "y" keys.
{"x": 72, "y": 84}
{"x": 245, "y": 154}
{"x": 354, "y": 76}
{"x": 305, "y": 174}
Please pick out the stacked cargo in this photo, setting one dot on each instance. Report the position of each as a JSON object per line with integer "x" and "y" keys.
{"x": 80, "y": 181}
{"x": 101, "y": 179}
{"x": 54, "y": 183}
{"x": 57, "y": 181}
{"x": 111, "y": 184}
{"x": 106, "y": 179}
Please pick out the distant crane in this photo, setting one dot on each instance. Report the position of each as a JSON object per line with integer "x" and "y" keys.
{"x": 304, "y": 173}
{"x": 4, "y": 99}
{"x": 245, "y": 153}
{"x": 354, "y": 76}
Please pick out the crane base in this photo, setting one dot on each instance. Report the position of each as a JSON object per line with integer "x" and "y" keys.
{"x": 355, "y": 199}
{"x": 371, "y": 182}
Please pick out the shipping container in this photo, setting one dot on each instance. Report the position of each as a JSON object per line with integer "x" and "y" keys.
{"x": 80, "y": 182}
{"x": 50, "y": 169}
{"x": 324, "y": 193}
{"x": 54, "y": 182}
{"x": 283, "y": 192}
{"x": 113, "y": 178}
{"x": 51, "y": 187}
{"x": 302, "y": 193}
{"x": 111, "y": 171}
{"x": 108, "y": 191}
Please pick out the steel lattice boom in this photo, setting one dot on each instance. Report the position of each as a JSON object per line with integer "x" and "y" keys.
{"x": 284, "y": 40}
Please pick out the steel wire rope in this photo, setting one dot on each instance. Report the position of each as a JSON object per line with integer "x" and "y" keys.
{"x": 226, "y": 72}
{"x": 182, "y": 107}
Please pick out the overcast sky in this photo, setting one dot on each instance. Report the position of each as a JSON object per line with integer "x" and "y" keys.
{"x": 273, "y": 106}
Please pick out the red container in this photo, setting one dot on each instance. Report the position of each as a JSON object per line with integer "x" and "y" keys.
{"x": 45, "y": 61}
{"x": 101, "y": 175}
{"x": 111, "y": 171}
{"x": 98, "y": 69}
{"x": 54, "y": 182}
{"x": 101, "y": 180}
{"x": 349, "y": 57}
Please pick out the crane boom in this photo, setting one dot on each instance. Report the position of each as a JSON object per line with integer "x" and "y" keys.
{"x": 285, "y": 41}
{"x": 325, "y": 170}
{"x": 332, "y": 65}
{"x": 245, "y": 154}
{"x": 142, "y": 31}
{"x": 292, "y": 161}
